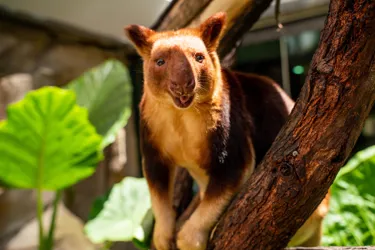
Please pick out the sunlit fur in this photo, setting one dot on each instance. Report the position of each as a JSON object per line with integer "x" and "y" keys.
{"x": 173, "y": 46}
{"x": 214, "y": 122}
{"x": 181, "y": 133}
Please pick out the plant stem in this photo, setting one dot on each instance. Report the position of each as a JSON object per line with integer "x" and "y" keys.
{"x": 40, "y": 209}
{"x": 50, "y": 238}
{"x": 39, "y": 189}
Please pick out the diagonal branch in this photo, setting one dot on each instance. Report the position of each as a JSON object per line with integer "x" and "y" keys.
{"x": 332, "y": 248}
{"x": 241, "y": 15}
{"x": 179, "y": 14}
{"x": 323, "y": 127}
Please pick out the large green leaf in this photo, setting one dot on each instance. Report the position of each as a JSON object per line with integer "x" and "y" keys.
{"x": 106, "y": 92}
{"x": 351, "y": 219}
{"x": 126, "y": 215}
{"x": 98, "y": 205}
{"x": 47, "y": 141}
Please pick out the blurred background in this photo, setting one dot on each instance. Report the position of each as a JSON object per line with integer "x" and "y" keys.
{"x": 52, "y": 43}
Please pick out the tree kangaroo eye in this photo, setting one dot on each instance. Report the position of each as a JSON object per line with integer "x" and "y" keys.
{"x": 160, "y": 62}
{"x": 199, "y": 58}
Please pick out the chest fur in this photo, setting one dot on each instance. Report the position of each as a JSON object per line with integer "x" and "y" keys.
{"x": 180, "y": 135}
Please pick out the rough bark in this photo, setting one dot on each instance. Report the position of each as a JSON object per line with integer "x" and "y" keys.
{"x": 332, "y": 248}
{"x": 242, "y": 22}
{"x": 309, "y": 151}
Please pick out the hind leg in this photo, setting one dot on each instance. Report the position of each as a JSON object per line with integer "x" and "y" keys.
{"x": 315, "y": 238}
{"x": 310, "y": 234}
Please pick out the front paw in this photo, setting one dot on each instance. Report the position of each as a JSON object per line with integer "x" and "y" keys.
{"x": 192, "y": 238}
{"x": 163, "y": 237}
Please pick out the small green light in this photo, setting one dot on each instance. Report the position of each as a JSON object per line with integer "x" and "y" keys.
{"x": 298, "y": 70}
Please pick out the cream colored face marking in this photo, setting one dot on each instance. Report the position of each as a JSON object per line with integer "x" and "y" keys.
{"x": 187, "y": 42}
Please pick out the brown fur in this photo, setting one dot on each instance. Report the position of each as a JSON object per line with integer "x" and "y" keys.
{"x": 214, "y": 122}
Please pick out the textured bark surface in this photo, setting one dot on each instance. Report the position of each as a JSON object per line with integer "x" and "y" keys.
{"x": 309, "y": 151}
{"x": 242, "y": 21}
{"x": 332, "y": 248}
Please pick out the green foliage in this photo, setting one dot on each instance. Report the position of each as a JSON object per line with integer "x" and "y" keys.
{"x": 351, "y": 220}
{"x": 98, "y": 205}
{"x": 107, "y": 94}
{"x": 47, "y": 141}
{"x": 126, "y": 215}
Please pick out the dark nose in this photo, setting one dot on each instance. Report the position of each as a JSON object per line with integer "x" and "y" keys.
{"x": 189, "y": 87}
{"x": 185, "y": 88}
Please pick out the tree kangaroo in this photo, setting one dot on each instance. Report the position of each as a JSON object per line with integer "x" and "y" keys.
{"x": 216, "y": 123}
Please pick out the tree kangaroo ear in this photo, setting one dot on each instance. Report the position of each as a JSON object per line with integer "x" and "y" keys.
{"x": 139, "y": 35}
{"x": 212, "y": 29}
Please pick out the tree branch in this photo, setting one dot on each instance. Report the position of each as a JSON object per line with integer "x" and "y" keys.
{"x": 183, "y": 191}
{"x": 331, "y": 248}
{"x": 309, "y": 151}
{"x": 241, "y": 15}
{"x": 179, "y": 14}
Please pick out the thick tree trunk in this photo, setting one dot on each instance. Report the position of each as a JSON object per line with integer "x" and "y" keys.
{"x": 332, "y": 248}
{"x": 323, "y": 127}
